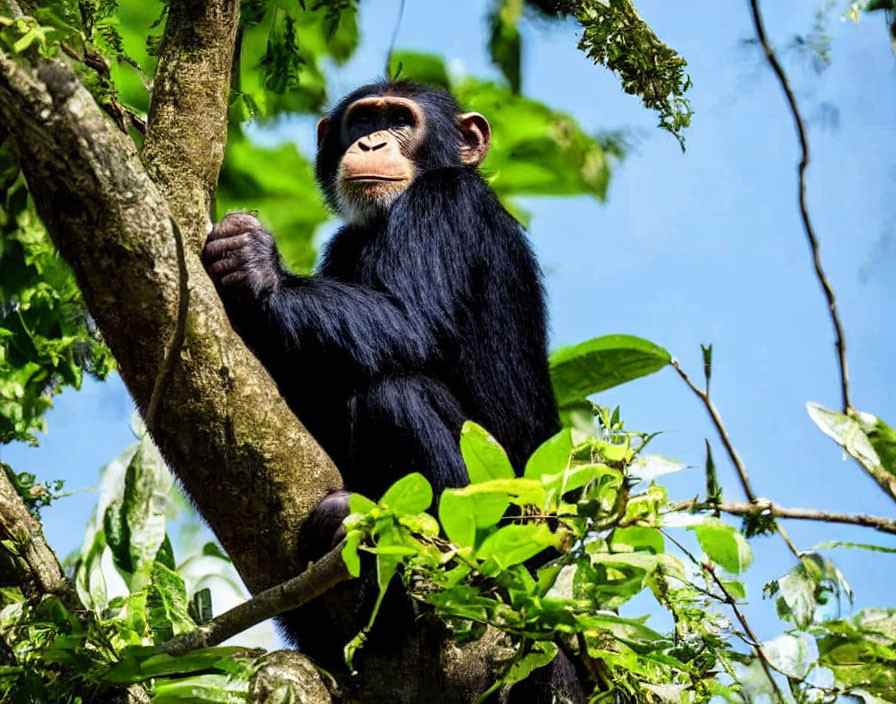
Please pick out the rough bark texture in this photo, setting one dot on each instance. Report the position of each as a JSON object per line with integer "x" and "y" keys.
{"x": 286, "y": 676}
{"x": 33, "y": 567}
{"x": 222, "y": 426}
{"x": 132, "y": 228}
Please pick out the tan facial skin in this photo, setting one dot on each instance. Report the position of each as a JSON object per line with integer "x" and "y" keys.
{"x": 385, "y": 132}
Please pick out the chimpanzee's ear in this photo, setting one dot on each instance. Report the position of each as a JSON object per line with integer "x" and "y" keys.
{"x": 475, "y": 134}
{"x": 322, "y": 129}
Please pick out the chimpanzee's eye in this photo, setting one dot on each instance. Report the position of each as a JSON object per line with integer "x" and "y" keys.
{"x": 401, "y": 118}
{"x": 362, "y": 117}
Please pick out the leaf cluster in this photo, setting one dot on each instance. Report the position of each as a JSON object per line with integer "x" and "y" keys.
{"x": 47, "y": 340}
{"x": 615, "y": 36}
{"x": 87, "y": 645}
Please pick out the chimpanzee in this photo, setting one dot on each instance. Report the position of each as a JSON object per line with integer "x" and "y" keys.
{"x": 427, "y": 307}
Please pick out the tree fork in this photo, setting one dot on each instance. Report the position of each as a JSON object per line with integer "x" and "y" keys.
{"x": 223, "y": 428}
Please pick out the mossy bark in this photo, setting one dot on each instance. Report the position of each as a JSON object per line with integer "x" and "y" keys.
{"x": 131, "y": 225}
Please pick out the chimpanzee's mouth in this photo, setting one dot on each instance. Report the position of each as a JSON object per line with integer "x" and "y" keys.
{"x": 373, "y": 178}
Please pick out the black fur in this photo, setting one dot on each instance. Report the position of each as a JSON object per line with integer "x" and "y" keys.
{"x": 413, "y": 323}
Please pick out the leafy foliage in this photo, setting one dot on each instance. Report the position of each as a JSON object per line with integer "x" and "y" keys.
{"x": 504, "y": 44}
{"x": 615, "y": 36}
{"x": 554, "y": 559}
{"x": 46, "y": 339}
{"x": 90, "y": 642}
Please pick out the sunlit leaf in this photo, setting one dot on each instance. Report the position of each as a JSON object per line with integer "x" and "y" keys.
{"x": 458, "y": 519}
{"x": 514, "y": 544}
{"x": 411, "y": 494}
{"x": 551, "y": 457}
{"x": 725, "y": 546}
{"x": 602, "y": 363}
{"x": 484, "y": 457}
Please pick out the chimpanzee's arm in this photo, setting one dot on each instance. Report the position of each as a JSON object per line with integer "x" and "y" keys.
{"x": 283, "y": 316}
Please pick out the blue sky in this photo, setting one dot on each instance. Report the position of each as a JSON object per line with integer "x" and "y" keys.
{"x": 700, "y": 247}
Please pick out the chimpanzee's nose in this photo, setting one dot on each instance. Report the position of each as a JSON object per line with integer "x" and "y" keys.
{"x": 371, "y": 143}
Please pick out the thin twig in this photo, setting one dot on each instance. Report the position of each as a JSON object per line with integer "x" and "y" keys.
{"x": 720, "y": 427}
{"x": 826, "y": 285}
{"x": 393, "y": 40}
{"x": 732, "y": 452}
{"x": 327, "y": 572}
{"x": 767, "y": 507}
{"x": 729, "y": 599}
{"x": 177, "y": 339}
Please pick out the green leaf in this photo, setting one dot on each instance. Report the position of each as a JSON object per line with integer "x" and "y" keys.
{"x": 425, "y": 68}
{"x": 650, "y": 467}
{"x": 411, "y": 494}
{"x": 141, "y": 663}
{"x": 602, "y": 363}
{"x": 422, "y": 523}
{"x": 484, "y": 457}
{"x": 519, "y": 491}
{"x": 360, "y": 504}
{"x": 457, "y": 514}
{"x": 504, "y": 44}
{"x": 556, "y": 485}
{"x": 135, "y": 520}
{"x": 707, "y": 365}
{"x": 861, "y": 437}
{"x": 514, "y": 544}
{"x": 551, "y": 456}
{"x": 167, "y": 609}
{"x": 349, "y": 553}
{"x": 200, "y": 609}
{"x": 861, "y": 652}
{"x": 725, "y": 546}
{"x": 796, "y": 601}
{"x": 713, "y": 488}
{"x": 202, "y": 689}
{"x": 638, "y": 538}
{"x": 793, "y": 655}
{"x": 882, "y": 438}
{"x": 89, "y": 580}
{"x": 735, "y": 588}
{"x": 541, "y": 654}
{"x": 831, "y": 544}
{"x": 212, "y": 549}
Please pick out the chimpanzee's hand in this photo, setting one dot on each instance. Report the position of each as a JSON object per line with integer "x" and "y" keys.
{"x": 241, "y": 258}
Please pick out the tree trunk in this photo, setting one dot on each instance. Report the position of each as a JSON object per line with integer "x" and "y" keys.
{"x": 132, "y": 225}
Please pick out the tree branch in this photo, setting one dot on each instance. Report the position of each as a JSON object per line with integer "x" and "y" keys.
{"x": 723, "y": 432}
{"x": 768, "y": 507}
{"x": 327, "y": 572}
{"x": 186, "y": 132}
{"x": 222, "y": 426}
{"x": 826, "y": 285}
{"x": 32, "y": 565}
{"x": 249, "y": 466}
{"x": 732, "y": 452}
{"x": 729, "y": 599}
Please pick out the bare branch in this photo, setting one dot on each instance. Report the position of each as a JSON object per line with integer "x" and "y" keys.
{"x": 768, "y": 507}
{"x": 826, "y": 285}
{"x": 723, "y": 433}
{"x": 732, "y": 452}
{"x": 327, "y": 572}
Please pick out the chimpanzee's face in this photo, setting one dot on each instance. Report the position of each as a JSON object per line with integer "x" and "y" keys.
{"x": 380, "y": 139}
